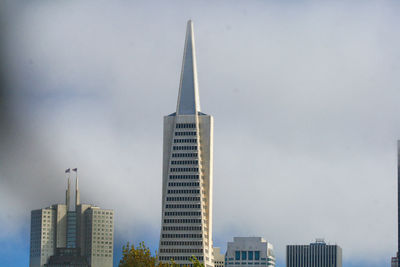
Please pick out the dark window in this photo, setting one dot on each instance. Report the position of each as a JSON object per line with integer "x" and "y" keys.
{"x": 237, "y": 255}
{"x": 250, "y": 255}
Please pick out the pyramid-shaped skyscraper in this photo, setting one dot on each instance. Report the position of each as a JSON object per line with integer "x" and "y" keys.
{"x": 186, "y": 226}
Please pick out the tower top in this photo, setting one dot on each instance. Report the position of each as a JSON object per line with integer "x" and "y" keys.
{"x": 188, "y": 98}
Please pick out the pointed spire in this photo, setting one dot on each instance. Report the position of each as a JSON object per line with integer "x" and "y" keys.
{"x": 188, "y": 98}
{"x": 67, "y": 194}
{"x": 77, "y": 195}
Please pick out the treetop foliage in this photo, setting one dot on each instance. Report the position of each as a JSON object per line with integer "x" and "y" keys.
{"x": 140, "y": 256}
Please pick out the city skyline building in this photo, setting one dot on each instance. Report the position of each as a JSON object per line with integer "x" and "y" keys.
{"x": 65, "y": 235}
{"x": 187, "y": 176}
{"x": 395, "y": 262}
{"x": 219, "y": 258}
{"x": 317, "y": 254}
{"x": 249, "y": 251}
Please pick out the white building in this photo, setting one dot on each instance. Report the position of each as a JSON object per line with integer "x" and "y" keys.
{"x": 219, "y": 259}
{"x": 79, "y": 236}
{"x": 186, "y": 226}
{"x": 249, "y": 251}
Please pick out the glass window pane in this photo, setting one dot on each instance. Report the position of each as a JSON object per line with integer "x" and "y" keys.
{"x": 257, "y": 255}
{"x": 250, "y": 255}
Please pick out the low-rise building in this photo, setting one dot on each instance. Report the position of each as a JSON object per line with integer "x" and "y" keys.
{"x": 249, "y": 251}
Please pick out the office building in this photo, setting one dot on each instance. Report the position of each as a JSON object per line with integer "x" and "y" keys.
{"x": 186, "y": 223}
{"x": 78, "y": 235}
{"x": 396, "y": 260}
{"x": 249, "y": 251}
{"x": 219, "y": 259}
{"x": 317, "y": 254}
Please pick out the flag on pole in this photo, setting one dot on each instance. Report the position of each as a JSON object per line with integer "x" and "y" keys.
{"x": 75, "y": 170}
{"x": 68, "y": 170}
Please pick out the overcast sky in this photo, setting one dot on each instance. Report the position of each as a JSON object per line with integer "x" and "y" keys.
{"x": 305, "y": 97}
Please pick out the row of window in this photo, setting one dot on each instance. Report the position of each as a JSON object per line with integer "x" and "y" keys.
{"x": 102, "y": 242}
{"x": 101, "y": 250}
{"x": 183, "y": 184}
{"x": 183, "y": 198}
{"x": 181, "y": 243}
{"x": 184, "y": 155}
{"x": 101, "y": 246}
{"x": 103, "y": 221}
{"x": 247, "y": 255}
{"x": 182, "y": 206}
{"x": 99, "y": 232}
{"x": 184, "y": 169}
{"x": 103, "y": 212}
{"x": 184, "y": 148}
{"x": 181, "y": 250}
{"x": 182, "y": 235}
{"x": 179, "y": 258}
{"x": 101, "y": 238}
{"x": 183, "y": 176}
{"x": 184, "y": 191}
{"x": 98, "y": 225}
{"x": 186, "y": 125}
{"x": 102, "y": 255}
{"x": 178, "y": 141}
{"x": 262, "y": 263}
{"x": 182, "y": 213}
{"x": 182, "y": 220}
{"x": 182, "y": 228}
{"x": 184, "y": 162}
{"x": 185, "y": 133}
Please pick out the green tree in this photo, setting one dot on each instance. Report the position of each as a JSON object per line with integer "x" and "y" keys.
{"x": 196, "y": 262}
{"x": 140, "y": 256}
{"x": 137, "y": 257}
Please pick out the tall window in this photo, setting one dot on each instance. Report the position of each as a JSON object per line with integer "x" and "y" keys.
{"x": 237, "y": 255}
{"x": 257, "y": 255}
{"x": 71, "y": 229}
{"x": 244, "y": 255}
{"x": 250, "y": 255}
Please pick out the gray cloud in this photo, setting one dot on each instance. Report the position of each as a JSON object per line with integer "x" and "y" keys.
{"x": 304, "y": 95}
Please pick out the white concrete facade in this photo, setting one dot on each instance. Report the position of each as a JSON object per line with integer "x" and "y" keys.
{"x": 186, "y": 226}
{"x": 249, "y": 251}
{"x": 100, "y": 237}
{"x": 43, "y": 233}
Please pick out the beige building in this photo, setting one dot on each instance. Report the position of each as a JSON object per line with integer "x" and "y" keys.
{"x": 80, "y": 235}
{"x": 219, "y": 259}
{"x": 186, "y": 226}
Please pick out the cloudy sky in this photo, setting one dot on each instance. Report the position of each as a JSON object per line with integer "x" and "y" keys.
{"x": 304, "y": 95}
